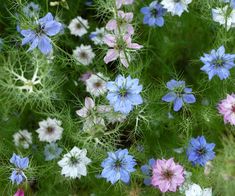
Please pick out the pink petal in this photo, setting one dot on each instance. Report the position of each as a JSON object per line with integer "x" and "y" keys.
{"x": 119, "y": 3}
{"x": 111, "y": 55}
{"x": 110, "y": 40}
{"x": 123, "y": 59}
{"x": 111, "y": 25}
{"x": 89, "y": 103}
{"x": 20, "y": 192}
{"x": 129, "y": 17}
{"x": 82, "y": 112}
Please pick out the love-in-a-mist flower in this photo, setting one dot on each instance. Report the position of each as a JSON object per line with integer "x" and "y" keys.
{"x": 19, "y": 192}
{"x": 224, "y": 16}
{"x": 97, "y": 36}
{"x": 179, "y": 94}
{"x": 153, "y": 14}
{"x": 96, "y": 84}
{"x": 84, "y": 54}
{"x": 50, "y": 130}
{"x": 227, "y": 108}
{"x": 52, "y": 151}
{"x": 118, "y": 166}
{"x": 18, "y": 176}
{"x": 124, "y": 94}
{"x": 86, "y": 110}
{"x": 196, "y": 190}
{"x": 39, "y": 37}
{"x": 218, "y": 63}
{"x": 232, "y": 3}
{"x": 199, "y": 152}
{"x": 121, "y": 25}
{"x": 31, "y": 9}
{"x": 176, "y": 7}
{"x": 22, "y": 138}
{"x": 74, "y": 163}
{"x": 119, "y": 48}
{"x": 167, "y": 175}
{"x": 78, "y": 26}
{"x": 147, "y": 171}
{"x": 119, "y": 3}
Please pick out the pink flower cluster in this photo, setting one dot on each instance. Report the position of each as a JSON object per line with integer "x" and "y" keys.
{"x": 227, "y": 109}
{"x": 119, "y": 39}
{"x": 167, "y": 175}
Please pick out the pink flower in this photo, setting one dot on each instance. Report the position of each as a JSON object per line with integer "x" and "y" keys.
{"x": 227, "y": 109}
{"x": 167, "y": 175}
{"x": 119, "y": 46}
{"x": 85, "y": 111}
{"x": 85, "y": 76}
{"x": 20, "y": 192}
{"x": 119, "y": 3}
{"x": 123, "y": 20}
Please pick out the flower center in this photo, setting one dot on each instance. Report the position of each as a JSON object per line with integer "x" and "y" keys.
{"x": 177, "y": 1}
{"x": 50, "y": 130}
{"x": 97, "y": 84}
{"x": 83, "y": 55}
{"x": 233, "y": 108}
{"x": 79, "y": 26}
{"x": 168, "y": 174}
{"x": 218, "y": 62}
{"x": 154, "y": 12}
{"x": 201, "y": 151}
{"x": 118, "y": 164}
{"x": 73, "y": 160}
{"x": 123, "y": 92}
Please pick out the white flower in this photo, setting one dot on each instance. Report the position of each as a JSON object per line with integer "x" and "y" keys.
{"x": 23, "y": 138}
{"x": 78, "y": 26}
{"x": 96, "y": 84}
{"x": 89, "y": 105}
{"x": 97, "y": 36}
{"x": 176, "y": 7}
{"x": 50, "y": 130}
{"x": 74, "y": 163}
{"x": 196, "y": 190}
{"x": 84, "y": 54}
{"x": 224, "y": 17}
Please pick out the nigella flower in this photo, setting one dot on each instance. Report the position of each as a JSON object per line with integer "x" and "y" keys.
{"x": 118, "y": 166}
{"x": 124, "y": 94}
{"x": 167, "y": 175}
{"x": 147, "y": 170}
{"x": 153, "y": 15}
{"x": 23, "y": 138}
{"x": 84, "y": 54}
{"x": 179, "y": 94}
{"x": 18, "y": 176}
{"x": 31, "y": 9}
{"x": 74, "y": 163}
{"x": 176, "y": 7}
{"x": 196, "y": 190}
{"x": 199, "y": 152}
{"x": 97, "y": 36}
{"x": 52, "y": 151}
{"x": 19, "y": 192}
{"x": 232, "y": 3}
{"x": 119, "y": 3}
{"x": 218, "y": 63}
{"x": 39, "y": 37}
{"x": 78, "y": 26}
{"x": 227, "y": 109}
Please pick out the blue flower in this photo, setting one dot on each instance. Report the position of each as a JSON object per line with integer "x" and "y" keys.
{"x": 31, "y": 9}
{"x": 124, "y": 94}
{"x": 153, "y": 15}
{"x": 232, "y": 3}
{"x": 52, "y": 151}
{"x": 118, "y": 166}
{"x": 218, "y": 63}
{"x": 47, "y": 26}
{"x": 179, "y": 94}
{"x": 147, "y": 170}
{"x": 200, "y": 152}
{"x": 18, "y": 175}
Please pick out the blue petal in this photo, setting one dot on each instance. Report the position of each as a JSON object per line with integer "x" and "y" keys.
{"x": 52, "y": 28}
{"x": 44, "y": 44}
{"x": 178, "y": 103}
{"x": 169, "y": 97}
{"x": 189, "y": 98}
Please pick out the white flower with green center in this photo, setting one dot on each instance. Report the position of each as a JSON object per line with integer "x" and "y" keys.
{"x": 176, "y": 7}
{"x": 78, "y": 26}
{"x": 22, "y": 138}
{"x": 74, "y": 163}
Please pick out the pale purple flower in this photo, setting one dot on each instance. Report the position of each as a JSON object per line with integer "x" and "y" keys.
{"x": 119, "y": 3}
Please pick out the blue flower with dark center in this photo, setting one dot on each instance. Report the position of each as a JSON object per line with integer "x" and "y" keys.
{"x": 218, "y": 63}
{"x": 18, "y": 175}
{"x": 179, "y": 94}
{"x": 199, "y": 152}
{"x": 153, "y": 15}
{"x": 118, "y": 166}
{"x": 47, "y": 26}
{"x": 147, "y": 170}
{"x": 124, "y": 94}
{"x": 52, "y": 151}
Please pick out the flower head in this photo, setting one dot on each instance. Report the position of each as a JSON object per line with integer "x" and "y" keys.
{"x": 31, "y": 9}
{"x": 78, "y": 26}
{"x": 218, "y": 63}
{"x": 74, "y": 163}
{"x": 85, "y": 111}
{"x": 39, "y": 37}
{"x": 196, "y": 190}
{"x": 153, "y": 15}
{"x": 124, "y": 94}
{"x": 227, "y": 109}
{"x": 119, "y": 3}
{"x": 179, "y": 94}
{"x": 167, "y": 175}
{"x": 199, "y": 152}
{"x": 23, "y": 138}
{"x": 147, "y": 170}
{"x": 98, "y": 36}
{"x": 18, "y": 176}
{"x": 84, "y": 54}
{"x": 118, "y": 166}
{"x": 50, "y": 130}
{"x": 52, "y": 151}
{"x": 176, "y": 7}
